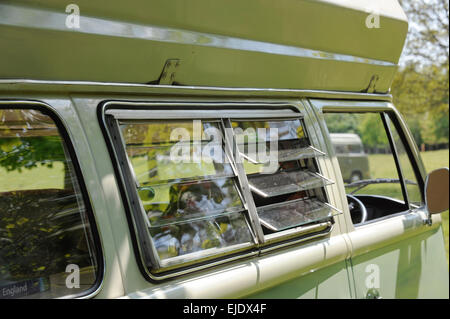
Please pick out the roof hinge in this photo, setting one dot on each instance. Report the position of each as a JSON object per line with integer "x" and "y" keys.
{"x": 167, "y": 76}
{"x": 372, "y": 84}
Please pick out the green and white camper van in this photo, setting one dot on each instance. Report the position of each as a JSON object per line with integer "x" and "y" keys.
{"x": 182, "y": 149}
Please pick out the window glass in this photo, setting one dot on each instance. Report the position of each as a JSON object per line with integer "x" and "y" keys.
{"x": 187, "y": 189}
{"x": 376, "y": 163}
{"x": 44, "y": 231}
{"x": 369, "y": 168}
{"x": 171, "y": 152}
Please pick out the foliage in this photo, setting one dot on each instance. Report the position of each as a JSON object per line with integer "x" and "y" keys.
{"x": 367, "y": 125}
{"x": 342, "y": 123}
{"x": 40, "y": 234}
{"x": 16, "y": 154}
{"x": 372, "y": 131}
{"x": 420, "y": 87}
{"x": 427, "y": 42}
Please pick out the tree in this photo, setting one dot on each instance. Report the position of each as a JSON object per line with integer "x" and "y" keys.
{"x": 372, "y": 131}
{"x": 427, "y": 42}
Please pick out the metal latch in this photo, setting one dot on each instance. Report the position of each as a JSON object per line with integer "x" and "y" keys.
{"x": 372, "y": 84}
{"x": 168, "y": 73}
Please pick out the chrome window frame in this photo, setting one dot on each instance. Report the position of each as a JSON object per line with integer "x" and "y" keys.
{"x": 136, "y": 110}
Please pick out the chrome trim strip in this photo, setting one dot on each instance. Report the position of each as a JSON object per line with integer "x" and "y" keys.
{"x": 305, "y": 232}
{"x": 188, "y": 110}
{"x": 191, "y": 259}
{"x": 33, "y": 18}
{"x": 33, "y": 85}
{"x": 138, "y": 215}
{"x": 204, "y": 266}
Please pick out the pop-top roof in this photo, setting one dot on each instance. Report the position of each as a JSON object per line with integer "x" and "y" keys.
{"x": 346, "y": 45}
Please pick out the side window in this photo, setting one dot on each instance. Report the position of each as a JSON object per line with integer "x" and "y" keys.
{"x": 380, "y": 179}
{"x": 204, "y": 191}
{"x": 45, "y": 234}
{"x": 187, "y": 188}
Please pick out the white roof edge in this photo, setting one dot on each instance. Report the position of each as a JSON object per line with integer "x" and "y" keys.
{"x": 385, "y": 8}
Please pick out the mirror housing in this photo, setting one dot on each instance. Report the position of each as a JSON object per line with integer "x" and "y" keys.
{"x": 437, "y": 191}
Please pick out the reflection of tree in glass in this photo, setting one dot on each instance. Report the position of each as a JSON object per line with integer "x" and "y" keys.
{"x": 40, "y": 234}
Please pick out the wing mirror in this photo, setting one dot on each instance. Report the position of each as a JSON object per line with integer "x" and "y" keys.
{"x": 437, "y": 191}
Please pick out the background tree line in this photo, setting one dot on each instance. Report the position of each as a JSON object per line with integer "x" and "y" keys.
{"x": 420, "y": 88}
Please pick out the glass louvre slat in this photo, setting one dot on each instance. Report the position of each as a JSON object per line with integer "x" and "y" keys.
{"x": 286, "y": 155}
{"x": 171, "y": 203}
{"x": 156, "y": 165}
{"x": 192, "y": 206}
{"x": 188, "y": 180}
{"x": 283, "y": 130}
{"x": 200, "y": 236}
{"x": 281, "y": 216}
{"x": 196, "y": 217}
{"x": 167, "y": 132}
{"x": 286, "y": 182}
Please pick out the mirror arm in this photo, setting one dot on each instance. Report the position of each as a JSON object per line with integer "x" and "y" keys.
{"x": 429, "y": 220}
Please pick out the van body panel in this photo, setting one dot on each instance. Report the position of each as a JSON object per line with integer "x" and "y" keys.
{"x": 254, "y": 278}
{"x": 330, "y": 282}
{"x": 407, "y": 256}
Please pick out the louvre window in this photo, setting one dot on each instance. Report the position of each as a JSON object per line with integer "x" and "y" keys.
{"x": 217, "y": 187}
{"x": 287, "y": 189}
{"x": 193, "y": 207}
